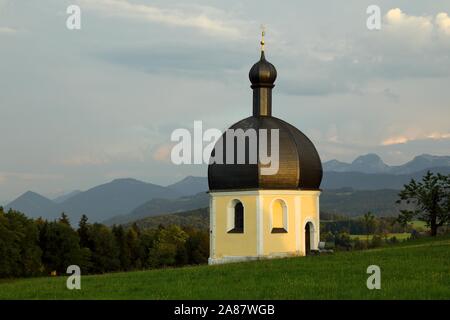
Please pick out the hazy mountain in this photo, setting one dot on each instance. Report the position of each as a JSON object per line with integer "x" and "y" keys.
{"x": 198, "y": 218}
{"x": 190, "y": 185}
{"x": 162, "y": 206}
{"x": 66, "y": 196}
{"x": 372, "y": 163}
{"x": 422, "y": 162}
{"x": 114, "y": 198}
{"x": 349, "y": 202}
{"x": 366, "y": 181}
{"x": 335, "y": 165}
{"x": 369, "y": 163}
{"x": 34, "y": 205}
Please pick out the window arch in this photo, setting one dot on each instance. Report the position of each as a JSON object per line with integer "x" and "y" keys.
{"x": 279, "y": 217}
{"x": 236, "y": 217}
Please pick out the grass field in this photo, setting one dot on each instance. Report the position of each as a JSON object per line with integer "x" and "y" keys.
{"x": 417, "y": 269}
{"x": 419, "y": 224}
{"x": 399, "y": 236}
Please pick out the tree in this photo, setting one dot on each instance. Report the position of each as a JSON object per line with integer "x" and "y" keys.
{"x": 64, "y": 219}
{"x": 123, "y": 247}
{"x": 369, "y": 223}
{"x": 133, "y": 242}
{"x": 103, "y": 247}
{"x": 20, "y": 255}
{"x": 60, "y": 245}
{"x": 83, "y": 230}
{"x": 168, "y": 247}
{"x": 197, "y": 246}
{"x": 430, "y": 199}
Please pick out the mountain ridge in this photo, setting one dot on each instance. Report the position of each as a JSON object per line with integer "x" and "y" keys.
{"x": 121, "y": 197}
{"x": 372, "y": 163}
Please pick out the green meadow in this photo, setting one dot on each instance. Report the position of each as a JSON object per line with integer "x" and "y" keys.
{"x": 418, "y": 269}
{"x": 398, "y": 236}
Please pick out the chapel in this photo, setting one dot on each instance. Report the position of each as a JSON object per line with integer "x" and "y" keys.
{"x": 255, "y": 215}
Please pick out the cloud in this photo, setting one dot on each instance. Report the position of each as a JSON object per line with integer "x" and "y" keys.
{"x": 162, "y": 152}
{"x": 420, "y": 29}
{"x": 443, "y": 22}
{"x": 405, "y": 139}
{"x": 209, "y": 20}
{"x": 395, "y": 140}
{"x": 7, "y": 30}
{"x": 84, "y": 160}
{"x": 397, "y": 18}
{"x": 438, "y": 136}
{"x": 203, "y": 61}
{"x": 28, "y": 176}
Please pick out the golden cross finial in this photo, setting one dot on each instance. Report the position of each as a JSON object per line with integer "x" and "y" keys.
{"x": 263, "y": 33}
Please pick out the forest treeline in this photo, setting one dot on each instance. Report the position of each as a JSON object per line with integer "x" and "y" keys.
{"x": 34, "y": 247}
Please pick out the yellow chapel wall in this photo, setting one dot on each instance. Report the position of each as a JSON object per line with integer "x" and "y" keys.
{"x": 302, "y": 206}
{"x": 234, "y": 244}
{"x": 310, "y": 213}
{"x": 275, "y": 243}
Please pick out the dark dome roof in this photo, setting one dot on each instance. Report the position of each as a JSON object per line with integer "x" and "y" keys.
{"x": 299, "y": 163}
{"x": 263, "y": 73}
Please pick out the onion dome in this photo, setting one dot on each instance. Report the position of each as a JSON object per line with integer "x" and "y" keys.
{"x": 263, "y": 73}
{"x": 299, "y": 164}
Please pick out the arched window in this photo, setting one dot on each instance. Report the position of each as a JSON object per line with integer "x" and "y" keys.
{"x": 236, "y": 217}
{"x": 279, "y": 217}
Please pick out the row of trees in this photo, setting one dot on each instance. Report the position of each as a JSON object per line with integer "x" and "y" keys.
{"x": 38, "y": 247}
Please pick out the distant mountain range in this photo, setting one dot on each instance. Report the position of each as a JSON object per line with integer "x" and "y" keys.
{"x": 34, "y": 205}
{"x": 64, "y": 197}
{"x": 116, "y": 198}
{"x": 158, "y": 206}
{"x": 372, "y": 163}
{"x": 124, "y": 200}
{"x": 341, "y": 202}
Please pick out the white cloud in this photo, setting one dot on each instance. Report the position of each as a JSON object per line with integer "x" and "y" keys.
{"x": 443, "y": 22}
{"x": 395, "y": 17}
{"x": 206, "y": 19}
{"x": 406, "y": 28}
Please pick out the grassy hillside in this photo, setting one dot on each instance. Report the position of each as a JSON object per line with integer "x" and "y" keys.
{"x": 198, "y": 218}
{"x": 414, "y": 270}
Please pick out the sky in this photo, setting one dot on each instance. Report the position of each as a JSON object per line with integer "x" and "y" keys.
{"x": 83, "y": 107}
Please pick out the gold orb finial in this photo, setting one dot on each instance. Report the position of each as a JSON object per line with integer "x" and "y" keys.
{"x": 263, "y": 33}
